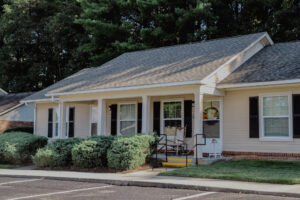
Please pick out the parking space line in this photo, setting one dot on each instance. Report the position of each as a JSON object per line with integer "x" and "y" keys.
{"x": 195, "y": 195}
{"x": 22, "y": 181}
{"x": 62, "y": 192}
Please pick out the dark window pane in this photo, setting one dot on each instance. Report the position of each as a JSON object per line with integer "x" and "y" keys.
{"x": 71, "y": 114}
{"x": 211, "y": 129}
{"x": 173, "y": 123}
{"x": 50, "y": 115}
{"x": 296, "y": 102}
{"x": 94, "y": 128}
{"x": 71, "y": 129}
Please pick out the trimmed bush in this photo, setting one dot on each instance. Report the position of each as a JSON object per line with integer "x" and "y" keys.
{"x": 129, "y": 152}
{"x": 92, "y": 152}
{"x": 45, "y": 158}
{"x": 18, "y": 147}
{"x": 20, "y": 129}
{"x": 63, "y": 148}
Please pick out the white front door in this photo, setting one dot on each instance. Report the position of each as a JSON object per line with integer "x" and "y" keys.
{"x": 212, "y": 127}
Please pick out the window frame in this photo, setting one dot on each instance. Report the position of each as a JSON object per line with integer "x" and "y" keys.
{"x": 55, "y": 120}
{"x": 162, "y": 118}
{"x": 91, "y": 118}
{"x": 118, "y": 115}
{"x": 56, "y": 116}
{"x": 262, "y": 136}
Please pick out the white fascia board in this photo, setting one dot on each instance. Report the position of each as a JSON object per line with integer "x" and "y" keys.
{"x": 255, "y": 84}
{"x": 127, "y": 88}
{"x": 12, "y": 108}
{"x": 232, "y": 64}
{"x": 39, "y": 100}
{"x": 205, "y": 89}
{"x": 3, "y": 91}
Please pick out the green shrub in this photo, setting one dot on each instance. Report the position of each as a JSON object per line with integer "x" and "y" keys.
{"x": 45, "y": 158}
{"x": 92, "y": 152}
{"x": 17, "y": 147}
{"x": 129, "y": 152}
{"x": 63, "y": 148}
{"x": 20, "y": 129}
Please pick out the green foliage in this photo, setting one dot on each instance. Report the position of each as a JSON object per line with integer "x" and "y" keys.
{"x": 45, "y": 158}
{"x": 92, "y": 152}
{"x": 129, "y": 152}
{"x": 63, "y": 148}
{"x": 17, "y": 147}
{"x": 21, "y": 129}
{"x": 39, "y": 43}
{"x": 43, "y": 41}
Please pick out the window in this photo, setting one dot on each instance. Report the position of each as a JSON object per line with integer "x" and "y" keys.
{"x": 172, "y": 114}
{"x": 53, "y": 122}
{"x": 70, "y": 122}
{"x": 276, "y": 116}
{"x": 94, "y": 119}
{"x": 127, "y": 119}
{"x": 56, "y": 124}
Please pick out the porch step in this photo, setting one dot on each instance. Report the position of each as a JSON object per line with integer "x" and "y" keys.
{"x": 170, "y": 164}
{"x": 180, "y": 159}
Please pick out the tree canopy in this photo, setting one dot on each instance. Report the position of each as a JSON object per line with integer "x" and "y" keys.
{"x": 43, "y": 41}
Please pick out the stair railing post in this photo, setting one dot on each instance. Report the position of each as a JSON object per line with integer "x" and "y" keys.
{"x": 186, "y": 156}
{"x": 166, "y": 148}
{"x": 196, "y": 150}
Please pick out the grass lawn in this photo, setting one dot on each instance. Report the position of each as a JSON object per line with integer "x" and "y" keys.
{"x": 2, "y": 166}
{"x": 244, "y": 170}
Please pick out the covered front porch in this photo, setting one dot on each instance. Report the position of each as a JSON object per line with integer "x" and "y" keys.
{"x": 193, "y": 110}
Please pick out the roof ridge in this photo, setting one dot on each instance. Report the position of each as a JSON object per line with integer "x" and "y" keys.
{"x": 191, "y": 43}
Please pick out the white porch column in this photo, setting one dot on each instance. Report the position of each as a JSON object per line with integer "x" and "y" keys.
{"x": 146, "y": 114}
{"x": 198, "y": 122}
{"x": 62, "y": 120}
{"x": 101, "y": 124}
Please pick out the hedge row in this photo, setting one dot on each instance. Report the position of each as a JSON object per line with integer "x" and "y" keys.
{"x": 18, "y": 147}
{"x": 119, "y": 153}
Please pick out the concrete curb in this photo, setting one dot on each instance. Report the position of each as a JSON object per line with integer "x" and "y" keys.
{"x": 159, "y": 185}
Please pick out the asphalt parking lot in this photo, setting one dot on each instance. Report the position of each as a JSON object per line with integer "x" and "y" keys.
{"x": 21, "y": 188}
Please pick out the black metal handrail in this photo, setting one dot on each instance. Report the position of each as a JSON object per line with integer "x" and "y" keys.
{"x": 166, "y": 145}
{"x": 184, "y": 144}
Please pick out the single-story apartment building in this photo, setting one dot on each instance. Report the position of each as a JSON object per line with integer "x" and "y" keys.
{"x": 13, "y": 113}
{"x": 242, "y": 92}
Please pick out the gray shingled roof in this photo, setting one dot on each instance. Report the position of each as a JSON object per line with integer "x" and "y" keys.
{"x": 178, "y": 63}
{"x": 8, "y": 101}
{"x": 273, "y": 63}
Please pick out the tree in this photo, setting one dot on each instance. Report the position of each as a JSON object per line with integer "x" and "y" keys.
{"x": 117, "y": 26}
{"x": 40, "y": 40}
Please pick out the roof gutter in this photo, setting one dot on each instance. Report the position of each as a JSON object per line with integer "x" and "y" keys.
{"x": 127, "y": 88}
{"x": 255, "y": 84}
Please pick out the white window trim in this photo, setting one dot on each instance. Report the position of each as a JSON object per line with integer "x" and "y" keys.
{"x": 91, "y": 114}
{"x": 162, "y": 130}
{"x": 118, "y": 116}
{"x": 262, "y": 137}
{"x": 54, "y": 110}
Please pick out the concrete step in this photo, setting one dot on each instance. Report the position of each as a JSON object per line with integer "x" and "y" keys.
{"x": 179, "y": 160}
{"x": 171, "y": 164}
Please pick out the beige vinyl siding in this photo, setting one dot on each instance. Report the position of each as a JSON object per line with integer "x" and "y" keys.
{"x": 82, "y": 119}
{"x": 236, "y": 123}
{"x": 42, "y": 117}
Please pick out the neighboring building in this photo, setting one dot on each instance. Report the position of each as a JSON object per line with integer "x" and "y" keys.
{"x": 14, "y": 114}
{"x": 242, "y": 92}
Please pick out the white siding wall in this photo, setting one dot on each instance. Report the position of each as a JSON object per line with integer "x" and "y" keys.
{"x": 236, "y": 123}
